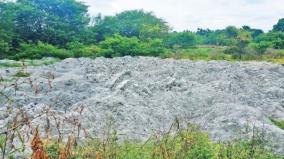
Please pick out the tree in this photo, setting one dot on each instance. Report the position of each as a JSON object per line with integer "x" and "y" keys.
{"x": 254, "y": 32}
{"x": 231, "y": 31}
{"x": 133, "y": 23}
{"x": 241, "y": 46}
{"x": 279, "y": 26}
{"x": 54, "y": 21}
{"x": 6, "y": 21}
{"x": 223, "y": 37}
{"x": 182, "y": 39}
{"x": 203, "y": 32}
{"x": 271, "y": 39}
{"x": 243, "y": 39}
{"x": 7, "y": 29}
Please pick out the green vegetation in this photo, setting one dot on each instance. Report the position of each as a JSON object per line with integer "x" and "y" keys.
{"x": 122, "y": 46}
{"x": 135, "y": 23}
{"x": 33, "y": 29}
{"x": 199, "y": 54}
{"x": 40, "y": 50}
{"x": 10, "y": 64}
{"x": 278, "y": 122}
{"x": 190, "y": 143}
{"x": 21, "y": 74}
{"x": 28, "y": 62}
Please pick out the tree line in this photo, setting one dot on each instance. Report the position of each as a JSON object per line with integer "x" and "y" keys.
{"x": 63, "y": 28}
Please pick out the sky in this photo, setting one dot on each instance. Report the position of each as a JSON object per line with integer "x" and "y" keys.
{"x": 192, "y": 14}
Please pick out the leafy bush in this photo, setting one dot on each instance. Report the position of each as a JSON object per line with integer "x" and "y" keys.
{"x": 274, "y": 39}
{"x": 153, "y": 47}
{"x": 261, "y": 46}
{"x": 239, "y": 53}
{"x": 40, "y": 50}
{"x": 118, "y": 45}
{"x": 250, "y": 54}
{"x": 279, "y": 44}
{"x": 80, "y": 50}
{"x": 182, "y": 39}
{"x": 235, "y": 51}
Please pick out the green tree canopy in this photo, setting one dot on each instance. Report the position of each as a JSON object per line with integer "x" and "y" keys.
{"x": 182, "y": 39}
{"x": 54, "y": 21}
{"x": 279, "y": 26}
{"x": 131, "y": 23}
{"x": 7, "y": 15}
{"x": 271, "y": 39}
{"x": 254, "y": 32}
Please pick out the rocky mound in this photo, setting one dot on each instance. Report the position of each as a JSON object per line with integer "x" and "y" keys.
{"x": 142, "y": 95}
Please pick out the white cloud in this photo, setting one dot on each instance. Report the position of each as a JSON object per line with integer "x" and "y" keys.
{"x": 193, "y": 14}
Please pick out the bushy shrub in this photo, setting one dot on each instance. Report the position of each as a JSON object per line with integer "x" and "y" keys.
{"x": 118, "y": 45}
{"x": 275, "y": 39}
{"x": 197, "y": 53}
{"x": 153, "y": 47}
{"x": 40, "y": 50}
{"x": 279, "y": 44}
{"x": 80, "y": 50}
{"x": 235, "y": 51}
{"x": 250, "y": 53}
{"x": 261, "y": 46}
{"x": 239, "y": 53}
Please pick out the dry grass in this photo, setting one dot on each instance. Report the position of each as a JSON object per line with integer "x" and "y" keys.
{"x": 38, "y": 147}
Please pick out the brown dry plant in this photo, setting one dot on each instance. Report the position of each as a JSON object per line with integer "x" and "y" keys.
{"x": 37, "y": 146}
